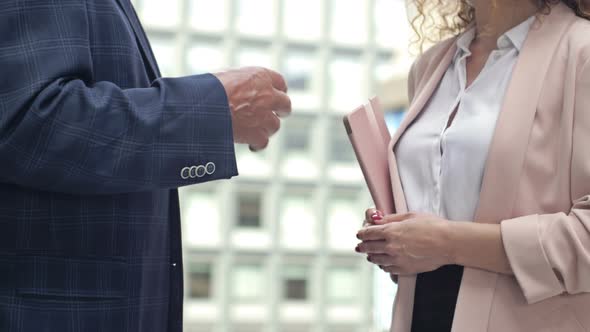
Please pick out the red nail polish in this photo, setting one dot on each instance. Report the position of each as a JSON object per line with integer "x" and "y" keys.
{"x": 357, "y": 249}
{"x": 376, "y": 217}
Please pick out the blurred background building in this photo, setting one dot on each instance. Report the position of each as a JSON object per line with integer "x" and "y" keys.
{"x": 273, "y": 250}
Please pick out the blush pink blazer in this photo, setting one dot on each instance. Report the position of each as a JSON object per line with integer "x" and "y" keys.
{"x": 536, "y": 184}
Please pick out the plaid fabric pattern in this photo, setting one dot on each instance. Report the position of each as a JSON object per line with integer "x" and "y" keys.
{"x": 92, "y": 146}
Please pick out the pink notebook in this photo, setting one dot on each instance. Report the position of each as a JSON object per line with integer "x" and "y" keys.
{"x": 370, "y": 138}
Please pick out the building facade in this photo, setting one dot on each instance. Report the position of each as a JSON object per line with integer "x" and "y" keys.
{"x": 273, "y": 249}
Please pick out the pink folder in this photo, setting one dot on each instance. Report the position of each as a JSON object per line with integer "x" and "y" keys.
{"x": 370, "y": 138}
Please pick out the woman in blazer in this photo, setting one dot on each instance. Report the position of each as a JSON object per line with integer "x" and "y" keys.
{"x": 493, "y": 164}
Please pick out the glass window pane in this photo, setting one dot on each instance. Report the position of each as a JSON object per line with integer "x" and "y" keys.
{"x": 248, "y": 282}
{"x": 298, "y": 220}
{"x": 302, "y": 19}
{"x": 161, "y": 14}
{"x": 342, "y": 329}
{"x": 205, "y": 58}
{"x": 349, "y": 21}
{"x": 340, "y": 150}
{"x": 301, "y": 72}
{"x": 201, "y": 218}
{"x": 207, "y": 15}
{"x": 256, "y": 17}
{"x": 384, "y": 69}
{"x": 165, "y": 52}
{"x": 199, "y": 281}
{"x": 392, "y": 29}
{"x": 254, "y": 56}
{"x": 295, "y": 283}
{"x": 343, "y": 284}
{"x": 343, "y": 220}
{"x": 249, "y": 209}
{"x": 348, "y": 83}
{"x": 298, "y": 135}
{"x": 394, "y": 119}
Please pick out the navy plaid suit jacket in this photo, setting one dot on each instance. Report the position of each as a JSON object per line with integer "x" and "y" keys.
{"x": 93, "y": 144}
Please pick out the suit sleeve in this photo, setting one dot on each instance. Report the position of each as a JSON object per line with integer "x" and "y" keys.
{"x": 62, "y": 131}
{"x": 550, "y": 254}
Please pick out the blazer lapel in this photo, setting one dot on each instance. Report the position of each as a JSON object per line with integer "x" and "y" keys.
{"x": 506, "y": 157}
{"x": 508, "y": 148}
{"x": 435, "y": 70}
{"x": 141, "y": 38}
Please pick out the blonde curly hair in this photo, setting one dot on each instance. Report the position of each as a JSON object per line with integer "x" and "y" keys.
{"x": 438, "y": 19}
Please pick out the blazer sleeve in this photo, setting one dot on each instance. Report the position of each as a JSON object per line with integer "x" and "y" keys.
{"x": 550, "y": 254}
{"x": 62, "y": 131}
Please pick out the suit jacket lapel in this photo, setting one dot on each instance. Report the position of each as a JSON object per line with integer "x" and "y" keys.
{"x": 141, "y": 38}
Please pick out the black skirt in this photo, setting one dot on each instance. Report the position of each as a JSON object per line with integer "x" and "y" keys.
{"x": 435, "y": 299}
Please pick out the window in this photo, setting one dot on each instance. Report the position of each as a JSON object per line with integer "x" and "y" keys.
{"x": 394, "y": 118}
{"x": 161, "y": 14}
{"x": 297, "y": 135}
{"x": 207, "y": 15}
{"x": 341, "y": 150}
{"x": 249, "y": 284}
{"x": 384, "y": 68}
{"x": 299, "y": 150}
{"x": 295, "y": 283}
{"x": 342, "y": 329}
{"x": 348, "y": 82}
{"x": 199, "y": 281}
{"x": 166, "y": 54}
{"x": 201, "y": 216}
{"x": 298, "y": 220}
{"x": 205, "y": 57}
{"x": 300, "y": 68}
{"x": 297, "y": 11}
{"x": 255, "y": 55}
{"x": 256, "y": 17}
{"x": 249, "y": 206}
{"x": 343, "y": 285}
{"x": 345, "y": 218}
{"x": 349, "y": 21}
{"x": 388, "y": 32}
{"x": 241, "y": 327}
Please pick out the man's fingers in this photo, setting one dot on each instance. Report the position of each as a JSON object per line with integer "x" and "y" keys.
{"x": 271, "y": 124}
{"x": 281, "y": 104}
{"x": 260, "y": 142}
{"x": 278, "y": 82}
{"x": 371, "y": 233}
{"x": 372, "y": 247}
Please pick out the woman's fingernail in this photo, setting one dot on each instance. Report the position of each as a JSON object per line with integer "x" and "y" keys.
{"x": 357, "y": 249}
{"x": 369, "y": 259}
{"x": 376, "y": 217}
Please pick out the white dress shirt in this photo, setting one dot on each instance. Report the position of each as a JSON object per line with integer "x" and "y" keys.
{"x": 441, "y": 168}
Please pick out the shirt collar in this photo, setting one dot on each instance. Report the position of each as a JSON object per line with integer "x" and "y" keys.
{"x": 514, "y": 37}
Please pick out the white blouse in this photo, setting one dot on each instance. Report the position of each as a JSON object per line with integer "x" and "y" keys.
{"x": 441, "y": 168}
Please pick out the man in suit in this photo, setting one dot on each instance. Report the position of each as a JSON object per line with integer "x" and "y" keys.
{"x": 93, "y": 144}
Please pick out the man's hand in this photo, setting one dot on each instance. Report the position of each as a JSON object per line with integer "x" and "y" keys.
{"x": 257, "y": 98}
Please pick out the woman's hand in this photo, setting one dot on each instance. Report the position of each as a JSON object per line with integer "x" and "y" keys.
{"x": 406, "y": 244}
